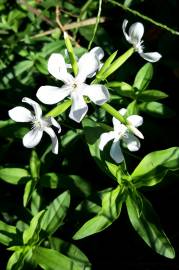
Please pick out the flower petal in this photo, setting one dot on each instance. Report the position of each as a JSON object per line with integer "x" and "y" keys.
{"x": 105, "y": 138}
{"x": 135, "y": 120}
{"x": 20, "y": 114}
{"x": 32, "y": 138}
{"x": 116, "y": 153}
{"x": 123, "y": 111}
{"x": 96, "y": 92}
{"x": 55, "y": 124}
{"x": 132, "y": 142}
{"x": 98, "y": 51}
{"x": 51, "y": 94}
{"x": 35, "y": 105}
{"x": 124, "y": 25}
{"x": 57, "y": 68}
{"x": 87, "y": 65}
{"x": 79, "y": 108}
{"x": 136, "y": 32}
{"x": 54, "y": 139}
{"x": 151, "y": 56}
{"x": 136, "y": 132}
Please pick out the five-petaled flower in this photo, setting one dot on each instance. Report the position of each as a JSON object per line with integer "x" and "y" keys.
{"x": 75, "y": 87}
{"x": 134, "y": 37}
{"x": 122, "y": 133}
{"x": 39, "y": 124}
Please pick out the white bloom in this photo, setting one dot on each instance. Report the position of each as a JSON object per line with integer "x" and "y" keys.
{"x": 39, "y": 124}
{"x": 134, "y": 37}
{"x": 122, "y": 133}
{"x": 75, "y": 87}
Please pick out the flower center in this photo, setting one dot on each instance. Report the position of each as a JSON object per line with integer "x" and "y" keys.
{"x": 40, "y": 123}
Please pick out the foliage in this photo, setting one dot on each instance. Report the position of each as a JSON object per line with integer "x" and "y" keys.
{"x": 48, "y": 201}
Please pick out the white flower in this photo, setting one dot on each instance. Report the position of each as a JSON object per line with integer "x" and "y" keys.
{"x": 75, "y": 87}
{"x": 122, "y": 133}
{"x": 39, "y": 124}
{"x": 134, "y": 37}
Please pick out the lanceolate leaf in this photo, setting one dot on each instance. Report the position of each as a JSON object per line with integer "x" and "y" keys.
{"x": 14, "y": 176}
{"x": 143, "y": 77}
{"x": 152, "y": 95}
{"x": 31, "y": 234}
{"x": 53, "y": 260}
{"x": 69, "y": 250}
{"x": 152, "y": 169}
{"x": 55, "y": 213}
{"x": 111, "y": 208}
{"x": 7, "y": 233}
{"x": 145, "y": 222}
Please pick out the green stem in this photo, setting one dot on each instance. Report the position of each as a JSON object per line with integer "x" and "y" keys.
{"x": 137, "y": 13}
{"x": 59, "y": 109}
{"x": 108, "y": 108}
{"x": 96, "y": 25}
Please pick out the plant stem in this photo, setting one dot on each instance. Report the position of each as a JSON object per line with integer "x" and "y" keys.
{"x": 108, "y": 108}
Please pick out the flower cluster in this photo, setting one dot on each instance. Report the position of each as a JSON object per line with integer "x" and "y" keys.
{"x": 76, "y": 88}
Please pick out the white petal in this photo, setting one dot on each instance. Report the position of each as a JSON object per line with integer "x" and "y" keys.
{"x": 123, "y": 111}
{"x": 32, "y": 138}
{"x": 35, "y": 105}
{"x": 54, "y": 139}
{"x": 116, "y": 124}
{"x": 136, "y": 132}
{"x": 116, "y": 152}
{"x": 105, "y": 138}
{"x": 135, "y": 120}
{"x": 96, "y": 92}
{"x": 57, "y": 68}
{"x": 136, "y": 32}
{"x": 20, "y": 114}
{"x": 87, "y": 65}
{"x": 98, "y": 51}
{"x": 79, "y": 108}
{"x": 51, "y": 94}
{"x": 132, "y": 142}
{"x": 124, "y": 25}
{"x": 55, "y": 124}
{"x": 151, "y": 56}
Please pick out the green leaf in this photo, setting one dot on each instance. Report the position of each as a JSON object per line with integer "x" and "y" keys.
{"x": 19, "y": 258}
{"x": 10, "y": 129}
{"x": 71, "y": 54}
{"x": 34, "y": 164}
{"x": 143, "y": 77}
{"x": 92, "y": 226}
{"x": 117, "y": 63}
{"x": 29, "y": 188}
{"x": 92, "y": 134}
{"x": 151, "y": 95}
{"x": 14, "y": 176}
{"x": 23, "y": 66}
{"x": 111, "y": 208}
{"x": 69, "y": 250}
{"x": 50, "y": 259}
{"x": 53, "y": 47}
{"x": 112, "y": 203}
{"x": 76, "y": 184}
{"x": 106, "y": 65}
{"x": 132, "y": 108}
{"x": 122, "y": 88}
{"x": 7, "y": 233}
{"x": 145, "y": 222}
{"x": 156, "y": 109}
{"x": 31, "y": 234}
{"x": 152, "y": 169}
{"x": 55, "y": 213}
